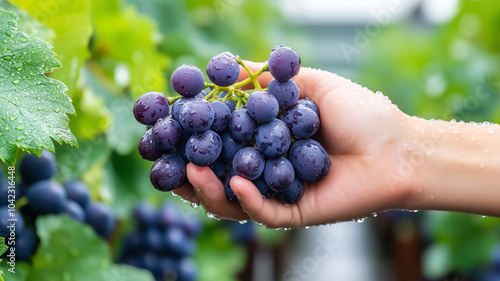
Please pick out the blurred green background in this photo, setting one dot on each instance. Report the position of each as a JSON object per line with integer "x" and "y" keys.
{"x": 112, "y": 51}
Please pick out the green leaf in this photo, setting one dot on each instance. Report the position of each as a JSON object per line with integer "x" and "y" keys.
{"x": 72, "y": 251}
{"x": 19, "y": 272}
{"x": 121, "y": 272}
{"x": 33, "y": 107}
{"x": 70, "y": 20}
{"x": 69, "y": 245}
{"x": 127, "y": 40}
{"x": 3, "y": 247}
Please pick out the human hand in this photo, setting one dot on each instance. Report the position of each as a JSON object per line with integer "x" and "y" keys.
{"x": 363, "y": 134}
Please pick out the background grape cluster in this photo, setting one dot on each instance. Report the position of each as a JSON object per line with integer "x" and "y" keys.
{"x": 163, "y": 242}
{"x": 42, "y": 195}
{"x": 264, "y": 135}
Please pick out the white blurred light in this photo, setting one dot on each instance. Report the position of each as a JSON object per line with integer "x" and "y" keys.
{"x": 441, "y": 11}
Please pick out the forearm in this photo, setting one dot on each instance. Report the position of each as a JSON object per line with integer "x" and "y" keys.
{"x": 456, "y": 166}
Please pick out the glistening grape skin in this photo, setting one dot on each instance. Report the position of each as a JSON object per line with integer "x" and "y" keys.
{"x": 273, "y": 139}
{"x": 223, "y": 69}
{"x": 34, "y": 168}
{"x": 309, "y": 159}
{"x": 196, "y": 115}
{"x": 203, "y": 149}
{"x": 248, "y": 163}
{"x": 262, "y": 106}
{"x": 279, "y": 174}
{"x": 187, "y": 80}
{"x": 150, "y": 107}
{"x": 284, "y": 63}
{"x": 168, "y": 172}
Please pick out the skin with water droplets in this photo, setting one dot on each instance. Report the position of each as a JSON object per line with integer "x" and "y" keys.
{"x": 196, "y": 115}
{"x": 167, "y": 132}
{"x": 286, "y": 93}
{"x": 187, "y": 80}
{"x": 279, "y": 174}
{"x": 284, "y": 63}
{"x": 309, "y": 159}
{"x": 150, "y": 107}
{"x": 302, "y": 121}
{"x": 262, "y": 106}
{"x": 273, "y": 139}
{"x": 242, "y": 125}
{"x": 223, "y": 69}
{"x": 168, "y": 172}
{"x": 248, "y": 163}
{"x": 203, "y": 149}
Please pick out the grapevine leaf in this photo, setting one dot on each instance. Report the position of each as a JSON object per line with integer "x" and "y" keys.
{"x": 70, "y": 20}
{"x": 33, "y": 107}
{"x": 18, "y": 273}
{"x": 127, "y": 40}
{"x": 3, "y": 247}
{"x": 121, "y": 272}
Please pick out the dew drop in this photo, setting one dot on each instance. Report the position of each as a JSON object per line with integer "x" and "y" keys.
{"x": 361, "y": 220}
{"x": 243, "y": 222}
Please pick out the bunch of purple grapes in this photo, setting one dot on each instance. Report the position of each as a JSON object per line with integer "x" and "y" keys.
{"x": 263, "y": 135}
{"x": 46, "y": 196}
{"x": 163, "y": 242}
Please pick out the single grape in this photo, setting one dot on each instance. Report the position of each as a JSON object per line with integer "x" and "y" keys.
{"x": 302, "y": 121}
{"x": 167, "y": 131}
{"x": 145, "y": 215}
{"x": 176, "y": 243}
{"x": 74, "y": 210}
{"x": 134, "y": 243}
{"x": 262, "y": 106}
{"x": 309, "y": 159}
{"x": 4, "y": 192}
{"x": 192, "y": 226}
{"x": 311, "y": 104}
{"x": 196, "y": 115}
{"x": 293, "y": 194}
{"x": 101, "y": 218}
{"x": 150, "y": 107}
{"x": 6, "y": 217}
{"x": 230, "y": 146}
{"x": 219, "y": 168}
{"x": 262, "y": 186}
{"x": 248, "y": 163}
{"x": 187, "y": 270}
{"x": 223, "y": 69}
{"x": 169, "y": 215}
{"x": 168, "y": 172}
{"x": 176, "y": 107}
{"x": 273, "y": 139}
{"x": 149, "y": 147}
{"x": 34, "y": 168}
{"x": 187, "y": 80}
{"x": 221, "y": 116}
{"x": 26, "y": 243}
{"x": 77, "y": 191}
{"x": 202, "y": 149}
{"x": 152, "y": 238}
{"x": 284, "y": 63}
{"x": 286, "y": 93}
{"x": 241, "y": 125}
{"x": 46, "y": 197}
{"x": 279, "y": 173}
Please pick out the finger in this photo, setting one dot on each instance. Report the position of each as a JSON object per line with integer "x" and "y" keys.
{"x": 211, "y": 194}
{"x": 270, "y": 212}
{"x": 187, "y": 192}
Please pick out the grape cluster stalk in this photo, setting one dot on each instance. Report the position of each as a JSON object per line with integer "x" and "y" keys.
{"x": 265, "y": 135}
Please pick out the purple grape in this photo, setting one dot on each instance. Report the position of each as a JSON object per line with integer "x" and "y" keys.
{"x": 169, "y": 215}
{"x": 202, "y": 149}
{"x": 177, "y": 243}
{"x": 221, "y": 116}
{"x": 262, "y": 186}
{"x": 168, "y": 172}
{"x": 229, "y": 147}
{"x": 284, "y": 63}
{"x": 149, "y": 147}
{"x": 241, "y": 125}
{"x": 25, "y": 245}
{"x": 223, "y": 69}
{"x": 219, "y": 167}
{"x": 248, "y": 163}
{"x": 188, "y": 270}
{"x": 262, "y": 106}
{"x": 46, "y": 197}
{"x": 309, "y": 103}
{"x": 196, "y": 115}
{"x": 302, "y": 121}
{"x": 101, "y": 218}
{"x": 176, "y": 108}
{"x": 34, "y": 168}
{"x": 145, "y": 215}
{"x": 273, "y": 138}
{"x": 167, "y": 131}
{"x": 293, "y": 194}
{"x": 6, "y": 217}
{"x": 187, "y": 80}
{"x": 77, "y": 191}
{"x": 227, "y": 189}
{"x": 279, "y": 174}
{"x": 309, "y": 159}
{"x": 74, "y": 210}
{"x": 287, "y": 93}
{"x": 150, "y": 107}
